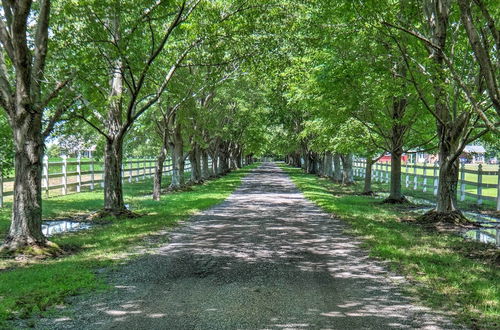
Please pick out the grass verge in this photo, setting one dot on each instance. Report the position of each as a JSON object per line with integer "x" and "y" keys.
{"x": 437, "y": 265}
{"x": 32, "y": 289}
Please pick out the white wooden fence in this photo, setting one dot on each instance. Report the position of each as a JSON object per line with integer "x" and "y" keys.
{"x": 478, "y": 184}
{"x": 63, "y": 177}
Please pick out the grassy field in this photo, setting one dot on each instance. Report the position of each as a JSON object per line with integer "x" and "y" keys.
{"x": 32, "y": 289}
{"x": 438, "y": 266}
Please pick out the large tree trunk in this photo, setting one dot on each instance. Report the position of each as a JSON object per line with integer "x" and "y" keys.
{"x": 395, "y": 195}
{"x": 25, "y": 229}
{"x": 177, "y": 147}
{"x": 337, "y": 171}
{"x": 215, "y": 162}
{"x": 159, "y": 173}
{"x": 224, "y": 161}
{"x": 113, "y": 190}
{"x": 311, "y": 163}
{"x": 367, "y": 189}
{"x": 205, "y": 168}
{"x": 296, "y": 159}
{"x": 448, "y": 179}
{"x": 347, "y": 175}
{"x": 239, "y": 158}
{"x": 398, "y": 131}
{"x": 195, "y": 160}
{"x": 329, "y": 164}
{"x": 452, "y": 129}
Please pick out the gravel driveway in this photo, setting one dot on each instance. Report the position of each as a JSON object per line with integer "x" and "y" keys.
{"x": 266, "y": 258}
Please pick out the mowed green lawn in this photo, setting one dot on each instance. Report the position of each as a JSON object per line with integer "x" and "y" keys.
{"x": 440, "y": 269}
{"x": 33, "y": 288}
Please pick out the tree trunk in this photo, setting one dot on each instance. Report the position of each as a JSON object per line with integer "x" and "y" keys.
{"x": 395, "y": 195}
{"x": 347, "y": 177}
{"x": 177, "y": 147}
{"x": 224, "y": 161}
{"x": 239, "y": 159}
{"x": 159, "y": 174}
{"x": 367, "y": 189}
{"x": 26, "y": 226}
{"x": 296, "y": 160}
{"x": 205, "y": 168}
{"x": 448, "y": 181}
{"x": 329, "y": 164}
{"x": 113, "y": 190}
{"x": 311, "y": 163}
{"x": 337, "y": 172}
{"x": 194, "y": 159}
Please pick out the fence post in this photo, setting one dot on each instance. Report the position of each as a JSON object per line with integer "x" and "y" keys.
{"x": 425, "y": 176}
{"x": 407, "y": 178}
{"x": 387, "y": 172}
{"x": 65, "y": 174}
{"x": 46, "y": 174}
{"x": 1, "y": 187}
{"x": 137, "y": 170}
{"x": 91, "y": 173}
{"x": 480, "y": 184}
{"x": 79, "y": 174}
{"x": 415, "y": 178}
{"x": 435, "y": 178}
{"x": 129, "y": 164}
{"x": 462, "y": 182}
{"x": 144, "y": 169}
{"x": 122, "y": 172}
{"x": 498, "y": 192}
{"x": 103, "y": 174}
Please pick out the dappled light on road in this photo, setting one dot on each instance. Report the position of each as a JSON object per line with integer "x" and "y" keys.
{"x": 266, "y": 258}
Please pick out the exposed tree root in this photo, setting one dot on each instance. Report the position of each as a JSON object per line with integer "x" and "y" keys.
{"x": 368, "y": 193}
{"x": 402, "y": 200}
{"x": 433, "y": 218}
{"x": 119, "y": 214}
{"x": 177, "y": 189}
{"x": 21, "y": 248}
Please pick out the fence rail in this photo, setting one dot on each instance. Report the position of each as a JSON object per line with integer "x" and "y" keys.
{"x": 481, "y": 184}
{"x": 77, "y": 175}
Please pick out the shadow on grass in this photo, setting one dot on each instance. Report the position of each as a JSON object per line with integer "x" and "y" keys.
{"x": 443, "y": 275}
{"x": 29, "y": 290}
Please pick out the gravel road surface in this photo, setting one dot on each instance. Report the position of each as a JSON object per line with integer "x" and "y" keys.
{"x": 266, "y": 258}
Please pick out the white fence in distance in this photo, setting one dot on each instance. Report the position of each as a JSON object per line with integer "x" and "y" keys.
{"x": 77, "y": 175}
{"x": 478, "y": 184}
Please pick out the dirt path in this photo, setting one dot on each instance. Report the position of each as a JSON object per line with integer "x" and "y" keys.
{"x": 266, "y": 258}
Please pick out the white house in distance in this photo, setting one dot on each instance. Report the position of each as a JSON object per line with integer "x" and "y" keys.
{"x": 473, "y": 154}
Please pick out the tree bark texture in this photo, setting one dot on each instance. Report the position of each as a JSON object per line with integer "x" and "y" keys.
{"x": 347, "y": 175}
{"x": 25, "y": 229}
{"x": 337, "y": 171}
{"x": 157, "y": 179}
{"x": 113, "y": 190}
{"x": 367, "y": 189}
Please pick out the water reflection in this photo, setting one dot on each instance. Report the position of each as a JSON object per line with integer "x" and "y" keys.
{"x": 489, "y": 232}
{"x": 50, "y": 228}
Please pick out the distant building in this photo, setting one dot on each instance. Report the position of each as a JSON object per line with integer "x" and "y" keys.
{"x": 473, "y": 154}
{"x": 387, "y": 158}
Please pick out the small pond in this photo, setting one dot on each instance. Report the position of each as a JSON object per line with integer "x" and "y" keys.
{"x": 50, "y": 228}
{"x": 490, "y": 226}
